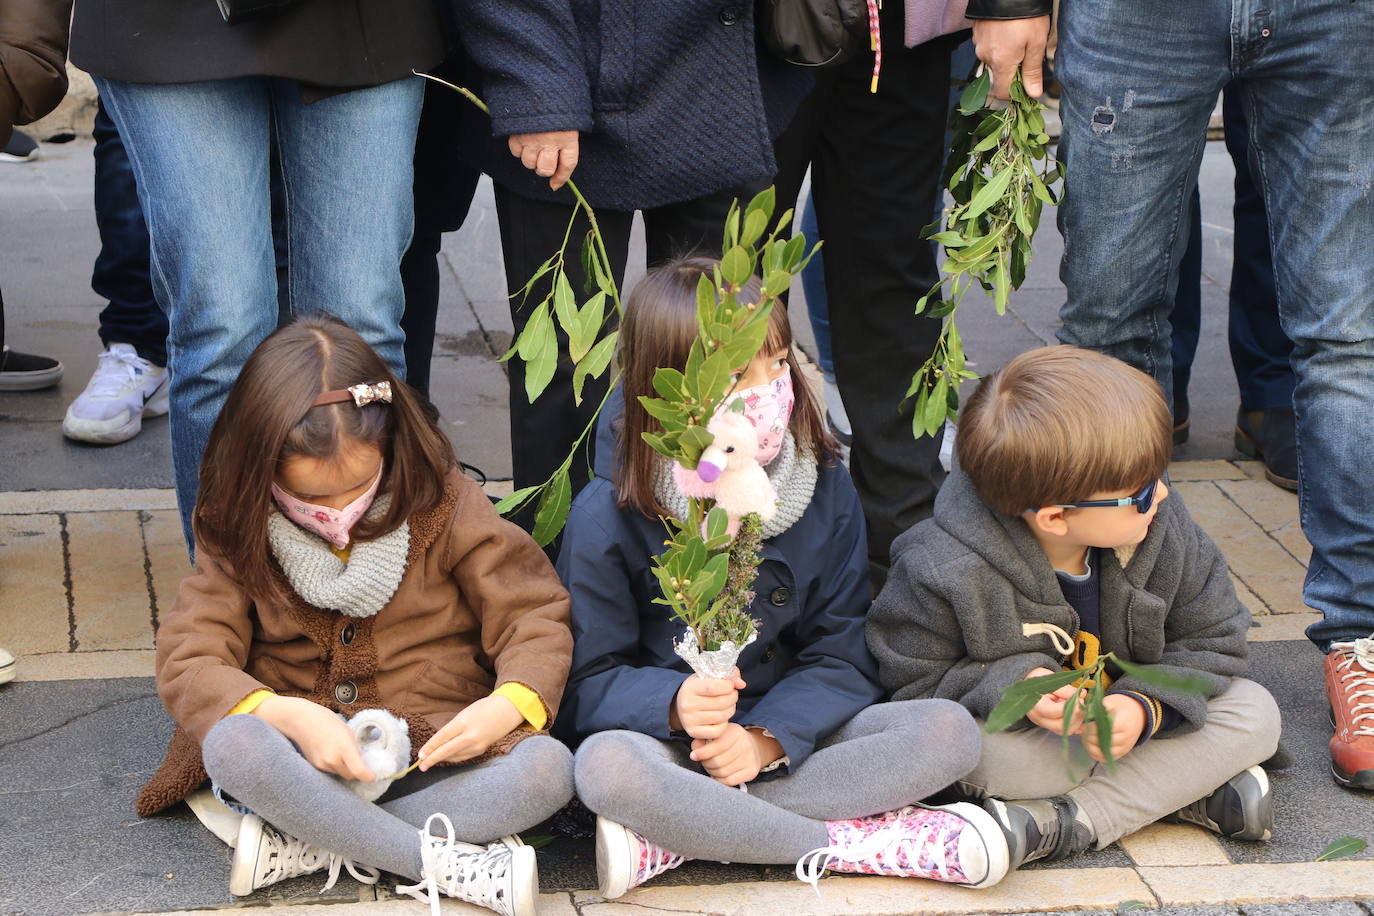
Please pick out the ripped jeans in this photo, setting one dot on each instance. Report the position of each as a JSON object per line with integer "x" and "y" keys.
{"x": 1140, "y": 79}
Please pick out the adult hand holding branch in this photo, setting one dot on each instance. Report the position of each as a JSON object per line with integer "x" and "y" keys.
{"x": 551, "y": 154}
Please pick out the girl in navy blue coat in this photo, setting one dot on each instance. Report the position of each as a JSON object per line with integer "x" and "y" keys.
{"x": 832, "y": 780}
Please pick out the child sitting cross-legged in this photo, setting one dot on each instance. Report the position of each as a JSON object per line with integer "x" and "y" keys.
{"x": 1055, "y": 540}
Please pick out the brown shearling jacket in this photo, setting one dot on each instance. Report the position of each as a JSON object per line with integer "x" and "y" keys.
{"x": 33, "y": 58}
{"x": 479, "y": 605}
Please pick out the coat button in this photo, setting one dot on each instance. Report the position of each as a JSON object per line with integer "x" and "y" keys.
{"x": 346, "y": 636}
{"x": 346, "y": 692}
{"x": 729, "y": 15}
{"x": 769, "y": 651}
{"x": 780, "y": 595}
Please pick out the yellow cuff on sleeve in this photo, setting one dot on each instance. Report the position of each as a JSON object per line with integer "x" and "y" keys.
{"x": 250, "y": 702}
{"x": 525, "y": 700}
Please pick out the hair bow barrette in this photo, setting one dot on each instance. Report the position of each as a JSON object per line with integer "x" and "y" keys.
{"x": 361, "y": 394}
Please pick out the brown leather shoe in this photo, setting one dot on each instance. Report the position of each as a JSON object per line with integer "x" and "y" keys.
{"x": 1349, "y": 668}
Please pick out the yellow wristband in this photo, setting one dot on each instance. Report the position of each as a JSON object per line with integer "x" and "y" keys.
{"x": 525, "y": 700}
{"x": 250, "y": 702}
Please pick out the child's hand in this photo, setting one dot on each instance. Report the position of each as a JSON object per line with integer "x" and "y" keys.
{"x": 1048, "y": 712}
{"x": 1128, "y": 721}
{"x": 737, "y": 756}
{"x": 703, "y": 706}
{"x": 471, "y": 732}
{"x": 324, "y": 738}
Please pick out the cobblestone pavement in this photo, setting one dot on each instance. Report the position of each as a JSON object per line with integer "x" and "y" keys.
{"x": 90, "y": 554}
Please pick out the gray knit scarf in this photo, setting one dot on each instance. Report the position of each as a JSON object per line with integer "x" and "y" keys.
{"x": 793, "y": 474}
{"x": 359, "y": 588}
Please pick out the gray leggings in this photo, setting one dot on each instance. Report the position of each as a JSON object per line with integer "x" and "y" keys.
{"x": 889, "y": 755}
{"x": 261, "y": 768}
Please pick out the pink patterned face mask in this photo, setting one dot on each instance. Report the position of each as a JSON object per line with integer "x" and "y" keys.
{"x": 769, "y": 408}
{"x": 331, "y": 524}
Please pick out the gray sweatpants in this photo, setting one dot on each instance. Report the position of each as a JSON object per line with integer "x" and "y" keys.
{"x": 1157, "y": 778}
{"x": 261, "y": 768}
{"x": 889, "y": 755}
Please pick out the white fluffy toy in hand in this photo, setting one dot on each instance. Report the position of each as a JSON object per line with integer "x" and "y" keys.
{"x": 729, "y": 473}
{"x": 384, "y": 741}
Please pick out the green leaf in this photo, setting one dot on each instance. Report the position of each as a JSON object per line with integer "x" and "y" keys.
{"x": 717, "y": 520}
{"x": 525, "y": 344}
{"x": 714, "y": 377}
{"x": 1001, "y": 289}
{"x": 777, "y": 282}
{"x": 1168, "y": 680}
{"x": 736, "y": 266}
{"x": 989, "y": 194}
{"x": 565, "y": 303}
{"x": 975, "y": 95}
{"x": 1018, "y": 698}
{"x": 507, "y": 503}
{"x": 589, "y": 320}
{"x": 1339, "y": 849}
{"x": 763, "y": 202}
{"x": 755, "y": 221}
{"x": 552, "y": 513}
{"x": 937, "y": 406}
{"x": 543, "y": 358}
{"x": 670, "y": 384}
{"x": 706, "y": 301}
{"x": 707, "y": 583}
{"x": 598, "y": 358}
{"x": 539, "y": 841}
{"x": 792, "y": 253}
{"x": 1127, "y": 906}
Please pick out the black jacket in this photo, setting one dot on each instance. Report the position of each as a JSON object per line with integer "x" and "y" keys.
{"x": 340, "y": 44}
{"x": 1008, "y": 9}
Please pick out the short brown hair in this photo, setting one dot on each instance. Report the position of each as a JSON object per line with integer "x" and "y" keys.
{"x": 659, "y": 328}
{"x": 268, "y": 417}
{"x": 1058, "y": 424}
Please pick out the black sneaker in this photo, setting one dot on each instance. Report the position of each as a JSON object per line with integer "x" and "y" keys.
{"x": 20, "y": 148}
{"x": 1271, "y": 436}
{"x": 26, "y": 372}
{"x": 1241, "y": 809}
{"x": 1039, "y": 828}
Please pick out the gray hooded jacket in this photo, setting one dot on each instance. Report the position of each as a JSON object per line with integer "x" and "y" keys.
{"x": 962, "y": 614}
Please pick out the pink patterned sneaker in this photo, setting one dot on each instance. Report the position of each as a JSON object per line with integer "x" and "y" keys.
{"x": 957, "y": 844}
{"x": 625, "y": 860}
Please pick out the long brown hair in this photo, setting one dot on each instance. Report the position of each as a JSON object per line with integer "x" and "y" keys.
{"x": 268, "y": 418}
{"x": 660, "y": 325}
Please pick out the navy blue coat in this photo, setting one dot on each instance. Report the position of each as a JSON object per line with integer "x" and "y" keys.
{"x": 673, "y": 98}
{"x": 808, "y": 672}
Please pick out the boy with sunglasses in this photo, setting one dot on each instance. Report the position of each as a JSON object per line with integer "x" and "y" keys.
{"x": 1054, "y": 540}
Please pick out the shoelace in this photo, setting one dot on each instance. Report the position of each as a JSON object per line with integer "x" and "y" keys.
{"x": 652, "y": 859}
{"x": 814, "y": 863}
{"x": 114, "y": 371}
{"x": 1358, "y": 672}
{"x": 477, "y": 877}
{"x": 293, "y": 857}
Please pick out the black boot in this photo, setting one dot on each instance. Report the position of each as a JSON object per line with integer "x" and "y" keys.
{"x": 1271, "y": 436}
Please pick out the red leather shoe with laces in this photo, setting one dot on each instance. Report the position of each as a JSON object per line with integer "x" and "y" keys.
{"x": 1349, "y": 669}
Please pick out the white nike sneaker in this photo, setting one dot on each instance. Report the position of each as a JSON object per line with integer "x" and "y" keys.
{"x": 124, "y": 389}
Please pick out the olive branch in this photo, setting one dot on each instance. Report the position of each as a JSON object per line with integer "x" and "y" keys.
{"x": 998, "y": 194}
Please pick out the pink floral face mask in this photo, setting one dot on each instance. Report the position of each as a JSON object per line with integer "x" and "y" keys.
{"x": 769, "y": 408}
{"x": 331, "y": 524}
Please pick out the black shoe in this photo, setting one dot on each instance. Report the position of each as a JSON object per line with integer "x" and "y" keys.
{"x": 1242, "y": 808}
{"x": 26, "y": 372}
{"x": 1039, "y": 828}
{"x": 1271, "y": 436}
{"x": 20, "y": 148}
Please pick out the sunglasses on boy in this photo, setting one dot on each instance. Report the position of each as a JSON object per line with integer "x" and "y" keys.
{"x": 1142, "y": 500}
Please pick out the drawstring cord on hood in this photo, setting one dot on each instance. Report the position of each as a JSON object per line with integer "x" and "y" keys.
{"x": 1057, "y": 634}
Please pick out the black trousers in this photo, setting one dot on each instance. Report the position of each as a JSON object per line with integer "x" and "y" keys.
{"x": 875, "y": 176}
{"x": 542, "y": 433}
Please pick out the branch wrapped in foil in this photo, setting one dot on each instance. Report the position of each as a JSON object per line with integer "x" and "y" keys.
{"x": 718, "y": 663}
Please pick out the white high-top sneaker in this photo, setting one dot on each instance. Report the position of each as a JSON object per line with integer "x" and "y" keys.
{"x": 625, "y": 859}
{"x": 123, "y": 390}
{"x": 264, "y": 855}
{"x": 501, "y": 876}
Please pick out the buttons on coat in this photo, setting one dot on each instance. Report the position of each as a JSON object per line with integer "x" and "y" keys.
{"x": 729, "y": 15}
{"x": 346, "y": 692}
{"x": 769, "y": 651}
{"x": 347, "y": 634}
{"x": 780, "y": 595}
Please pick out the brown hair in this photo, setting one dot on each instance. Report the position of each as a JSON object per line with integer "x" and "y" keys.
{"x": 268, "y": 418}
{"x": 659, "y": 328}
{"x": 1058, "y": 424}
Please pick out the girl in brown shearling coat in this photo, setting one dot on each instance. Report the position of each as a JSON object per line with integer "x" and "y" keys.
{"x": 344, "y": 563}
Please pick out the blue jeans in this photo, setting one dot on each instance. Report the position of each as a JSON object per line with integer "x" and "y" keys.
{"x": 122, "y": 275}
{"x": 200, "y": 155}
{"x": 1140, "y": 78}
